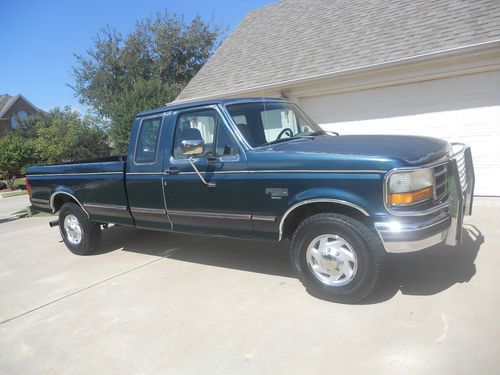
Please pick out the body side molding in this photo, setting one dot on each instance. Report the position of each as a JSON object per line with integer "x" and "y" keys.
{"x": 106, "y": 206}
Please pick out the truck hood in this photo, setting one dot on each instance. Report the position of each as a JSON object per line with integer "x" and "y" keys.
{"x": 411, "y": 150}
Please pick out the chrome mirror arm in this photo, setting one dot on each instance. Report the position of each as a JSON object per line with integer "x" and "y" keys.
{"x": 209, "y": 184}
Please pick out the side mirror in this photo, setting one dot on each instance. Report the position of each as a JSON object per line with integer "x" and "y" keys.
{"x": 192, "y": 147}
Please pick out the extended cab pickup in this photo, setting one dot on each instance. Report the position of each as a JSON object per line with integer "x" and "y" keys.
{"x": 261, "y": 169}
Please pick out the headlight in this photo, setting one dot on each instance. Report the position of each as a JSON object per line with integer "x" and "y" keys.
{"x": 405, "y": 188}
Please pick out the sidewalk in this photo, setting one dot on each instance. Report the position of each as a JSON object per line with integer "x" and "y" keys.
{"x": 12, "y": 204}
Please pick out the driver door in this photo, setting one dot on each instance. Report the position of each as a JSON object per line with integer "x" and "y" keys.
{"x": 223, "y": 206}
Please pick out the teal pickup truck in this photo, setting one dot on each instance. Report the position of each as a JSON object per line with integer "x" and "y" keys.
{"x": 262, "y": 169}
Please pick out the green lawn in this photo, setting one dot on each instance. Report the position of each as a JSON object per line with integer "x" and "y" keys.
{"x": 19, "y": 183}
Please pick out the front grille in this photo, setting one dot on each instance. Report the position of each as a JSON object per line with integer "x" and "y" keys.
{"x": 460, "y": 158}
{"x": 440, "y": 182}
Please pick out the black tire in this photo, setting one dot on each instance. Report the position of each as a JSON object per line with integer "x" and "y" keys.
{"x": 369, "y": 251}
{"x": 90, "y": 231}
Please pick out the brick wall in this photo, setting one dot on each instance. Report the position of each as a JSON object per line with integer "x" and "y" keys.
{"x": 20, "y": 104}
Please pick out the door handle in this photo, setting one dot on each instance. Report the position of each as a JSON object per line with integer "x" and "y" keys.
{"x": 212, "y": 159}
{"x": 171, "y": 171}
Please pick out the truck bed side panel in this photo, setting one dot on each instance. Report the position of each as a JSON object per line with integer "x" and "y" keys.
{"x": 99, "y": 187}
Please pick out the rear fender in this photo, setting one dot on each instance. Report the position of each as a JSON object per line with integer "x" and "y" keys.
{"x": 61, "y": 195}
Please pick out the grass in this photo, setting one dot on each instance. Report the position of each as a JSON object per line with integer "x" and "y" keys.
{"x": 19, "y": 188}
{"x": 14, "y": 193}
{"x": 19, "y": 183}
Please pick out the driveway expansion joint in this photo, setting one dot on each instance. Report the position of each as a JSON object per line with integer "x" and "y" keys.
{"x": 165, "y": 255}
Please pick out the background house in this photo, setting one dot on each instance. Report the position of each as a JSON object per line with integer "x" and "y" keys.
{"x": 14, "y": 108}
{"x": 410, "y": 66}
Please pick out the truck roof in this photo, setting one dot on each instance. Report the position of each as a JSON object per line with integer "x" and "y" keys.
{"x": 176, "y": 106}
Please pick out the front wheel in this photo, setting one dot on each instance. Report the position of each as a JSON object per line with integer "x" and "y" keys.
{"x": 336, "y": 257}
{"x": 81, "y": 235}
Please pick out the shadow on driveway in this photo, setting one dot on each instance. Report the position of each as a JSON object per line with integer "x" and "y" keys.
{"x": 425, "y": 272}
{"x": 432, "y": 270}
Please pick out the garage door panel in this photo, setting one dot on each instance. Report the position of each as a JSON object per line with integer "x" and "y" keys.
{"x": 447, "y": 94}
{"x": 463, "y": 109}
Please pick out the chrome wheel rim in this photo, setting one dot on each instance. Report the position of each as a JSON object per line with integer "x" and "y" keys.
{"x": 72, "y": 229}
{"x": 332, "y": 260}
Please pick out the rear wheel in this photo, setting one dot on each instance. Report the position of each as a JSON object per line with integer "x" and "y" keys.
{"x": 81, "y": 235}
{"x": 336, "y": 257}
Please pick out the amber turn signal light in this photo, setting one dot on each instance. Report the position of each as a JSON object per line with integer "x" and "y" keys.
{"x": 411, "y": 197}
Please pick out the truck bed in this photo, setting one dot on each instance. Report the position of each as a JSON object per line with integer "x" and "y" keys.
{"x": 99, "y": 186}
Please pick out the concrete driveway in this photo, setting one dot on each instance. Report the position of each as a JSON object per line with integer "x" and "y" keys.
{"x": 12, "y": 204}
{"x": 165, "y": 303}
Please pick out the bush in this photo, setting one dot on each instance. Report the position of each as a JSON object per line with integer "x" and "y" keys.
{"x": 63, "y": 135}
{"x": 15, "y": 153}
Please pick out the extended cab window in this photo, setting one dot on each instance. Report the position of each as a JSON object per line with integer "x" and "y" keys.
{"x": 147, "y": 142}
{"x": 204, "y": 125}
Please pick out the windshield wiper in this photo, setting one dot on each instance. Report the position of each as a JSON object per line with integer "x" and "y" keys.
{"x": 324, "y": 132}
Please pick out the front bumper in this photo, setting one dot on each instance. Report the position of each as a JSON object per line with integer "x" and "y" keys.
{"x": 444, "y": 224}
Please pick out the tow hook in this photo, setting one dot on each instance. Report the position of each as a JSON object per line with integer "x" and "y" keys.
{"x": 54, "y": 223}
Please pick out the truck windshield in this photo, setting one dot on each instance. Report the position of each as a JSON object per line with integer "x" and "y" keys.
{"x": 264, "y": 123}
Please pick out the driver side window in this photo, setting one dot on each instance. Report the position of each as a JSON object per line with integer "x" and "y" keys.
{"x": 207, "y": 126}
{"x": 194, "y": 126}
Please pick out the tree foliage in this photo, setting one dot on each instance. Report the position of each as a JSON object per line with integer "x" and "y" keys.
{"x": 146, "y": 68}
{"x": 142, "y": 95}
{"x": 64, "y": 136}
{"x": 16, "y": 152}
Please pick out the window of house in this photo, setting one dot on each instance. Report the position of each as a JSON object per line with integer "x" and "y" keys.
{"x": 13, "y": 122}
{"x": 22, "y": 115}
{"x": 147, "y": 142}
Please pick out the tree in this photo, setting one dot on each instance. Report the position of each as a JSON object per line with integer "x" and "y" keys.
{"x": 64, "y": 136}
{"x": 142, "y": 95}
{"x": 122, "y": 75}
{"x": 16, "y": 152}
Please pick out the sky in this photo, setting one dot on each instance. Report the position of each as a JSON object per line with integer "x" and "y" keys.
{"x": 39, "y": 38}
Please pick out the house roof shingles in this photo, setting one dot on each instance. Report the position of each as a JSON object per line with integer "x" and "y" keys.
{"x": 5, "y": 102}
{"x": 295, "y": 39}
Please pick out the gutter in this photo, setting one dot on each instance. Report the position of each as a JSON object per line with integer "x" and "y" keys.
{"x": 472, "y": 48}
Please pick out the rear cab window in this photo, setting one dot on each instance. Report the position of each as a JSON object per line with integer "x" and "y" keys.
{"x": 148, "y": 140}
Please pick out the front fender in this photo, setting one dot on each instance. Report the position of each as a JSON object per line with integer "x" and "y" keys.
{"x": 341, "y": 196}
{"x": 323, "y": 195}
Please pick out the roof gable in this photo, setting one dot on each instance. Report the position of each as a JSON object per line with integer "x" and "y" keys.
{"x": 295, "y": 39}
{"x": 7, "y": 101}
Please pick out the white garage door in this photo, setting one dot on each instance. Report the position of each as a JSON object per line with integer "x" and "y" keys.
{"x": 459, "y": 109}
